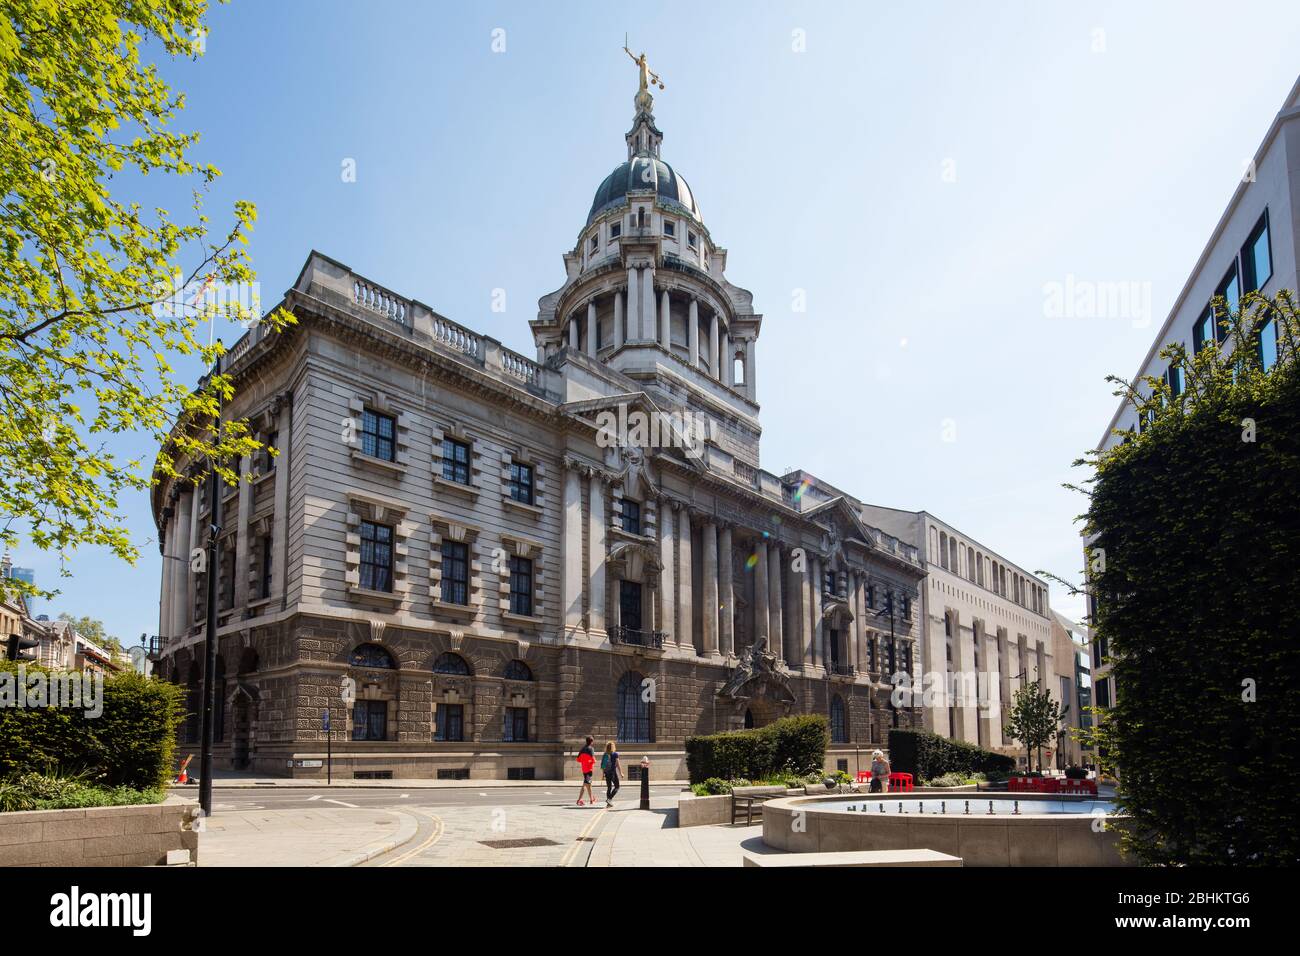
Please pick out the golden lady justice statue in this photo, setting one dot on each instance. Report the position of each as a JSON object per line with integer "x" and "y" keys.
{"x": 648, "y": 76}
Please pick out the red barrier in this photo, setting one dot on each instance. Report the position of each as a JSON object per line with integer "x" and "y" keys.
{"x": 900, "y": 782}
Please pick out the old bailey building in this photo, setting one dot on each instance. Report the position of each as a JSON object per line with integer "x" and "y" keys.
{"x": 474, "y": 558}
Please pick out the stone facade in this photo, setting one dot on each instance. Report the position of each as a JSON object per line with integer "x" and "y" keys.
{"x": 472, "y": 559}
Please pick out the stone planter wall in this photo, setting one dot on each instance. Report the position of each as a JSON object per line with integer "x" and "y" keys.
{"x": 693, "y": 811}
{"x": 98, "y": 836}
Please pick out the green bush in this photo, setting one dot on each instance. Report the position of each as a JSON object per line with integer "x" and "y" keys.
{"x": 1193, "y": 555}
{"x": 129, "y": 745}
{"x": 794, "y": 745}
{"x": 34, "y": 791}
{"x": 927, "y": 756}
{"x": 950, "y": 780}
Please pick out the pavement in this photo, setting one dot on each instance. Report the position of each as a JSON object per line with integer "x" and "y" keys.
{"x": 496, "y": 826}
{"x": 232, "y": 780}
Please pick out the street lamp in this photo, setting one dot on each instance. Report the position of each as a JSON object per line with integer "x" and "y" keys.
{"x": 210, "y": 635}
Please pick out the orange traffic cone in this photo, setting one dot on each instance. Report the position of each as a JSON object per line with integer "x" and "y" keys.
{"x": 183, "y": 776}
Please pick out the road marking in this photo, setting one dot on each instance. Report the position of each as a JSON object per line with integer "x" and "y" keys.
{"x": 438, "y": 830}
{"x": 482, "y": 794}
{"x": 317, "y": 797}
{"x": 351, "y": 806}
{"x": 580, "y": 839}
{"x": 405, "y": 795}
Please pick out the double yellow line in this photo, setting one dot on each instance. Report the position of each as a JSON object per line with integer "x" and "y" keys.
{"x": 572, "y": 852}
{"x": 438, "y": 830}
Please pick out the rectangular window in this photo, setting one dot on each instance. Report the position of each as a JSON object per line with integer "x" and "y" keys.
{"x": 521, "y": 483}
{"x": 594, "y": 243}
{"x": 521, "y": 773}
{"x": 268, "y": 460}
{"x": 871, "y": 596}
{"x": 377, "y": 435}
{"x": 450, "y": 722}
{"x": 1268, "y": 345}
{"x": 629, "y": 604}
{"x": 615, "y": 230}
{"x": 516, "y": 727}
{"x": 267, "y": 554}
{"x": 1174, "y": 378}
{"x": 1230, "y": 289}
{"x": 1203, "y": 331}
{"x": 670, "y": 228}
{"x": 370, "y": 720}
{"x": 376, "y": 556}
{"x": 456, "y": 773}
{"x": 691, "y": 239}
{"x": 631, "y": 516}
{"x": 455, "y": 461}
{"x": 907, "y": 608}
{"x": 1256, "y": 257}
{"x": 521, "y": 586}
{"x": 1103, "y": 692}
{"x": 455, "y": 572}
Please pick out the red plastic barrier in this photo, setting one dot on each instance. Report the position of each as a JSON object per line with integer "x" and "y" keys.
{"x": 901, "y": 782}
{"x": 864, "y": 776}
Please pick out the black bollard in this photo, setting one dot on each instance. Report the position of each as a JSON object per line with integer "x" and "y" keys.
{"x": 645, "y": 783}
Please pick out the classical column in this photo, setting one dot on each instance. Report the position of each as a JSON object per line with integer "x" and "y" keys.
{"x": 618, "y": 318}
{"x": 761, "y": 619}
{"x": 573, "y": 333}
{"x": 793, "y": 649}
{"x": 647, "y": 305}
{"x": 709, "y": 600}
{"x": 726, "y": 594}
{"x": 819, "y": 652}
{"x": 751, "y": 390}
{"x": 180, "y": 581}
{"x": 775, "y": 640}
{"x": 633, "y": 304}
{"x": 714, "y": 365}
{"x": 665, "y": 324}
{"x": 807, "y": 646}
{"x": 167, "y": 587}
{"x": 571, "y": 573}
{"x": 667, "y": 595}
{"x": 280, "y": 514}
{"x": 596, "y": 552}
{"x": 241, "y": 540}
{"x": 693, "y": 333}
{"x": 591, "y": 328}
{"x": 855, "y": 628}
{"x": 727, "y": 370}
{"x": 685, "y": 619}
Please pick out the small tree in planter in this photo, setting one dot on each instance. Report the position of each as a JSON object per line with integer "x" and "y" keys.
{"x": 1034, "y": 719}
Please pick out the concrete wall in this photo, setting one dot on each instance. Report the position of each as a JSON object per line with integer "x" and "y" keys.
{"x": 98, "y": 836}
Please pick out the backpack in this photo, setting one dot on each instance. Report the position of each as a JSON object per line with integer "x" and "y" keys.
{"x": 605, "y": 763}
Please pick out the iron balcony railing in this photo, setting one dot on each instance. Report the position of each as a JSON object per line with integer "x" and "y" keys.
{"x": 627, "y": 635}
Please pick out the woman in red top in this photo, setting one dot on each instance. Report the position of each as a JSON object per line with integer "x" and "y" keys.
{"x": 587, "y": 761}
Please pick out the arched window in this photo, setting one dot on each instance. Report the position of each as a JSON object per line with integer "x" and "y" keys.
{"x": 952, "y": 556}
{"x": 634, "y": 720}
{"x": 372, "y": 655}
{"x": 943, "y": 548}
{"x": 749, "y": 719}
{"x": 450, "y": 663}
{"x": 839, "y": 723}
{"x": 979, "y": 567}
{"x": 518, "y": 670}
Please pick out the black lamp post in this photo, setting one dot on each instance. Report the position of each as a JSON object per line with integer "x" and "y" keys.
{"x": 210, "y": 636}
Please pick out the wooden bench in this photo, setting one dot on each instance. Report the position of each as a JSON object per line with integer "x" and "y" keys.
{"x": 749, "y": 799}
{"x": 853, "y": 858}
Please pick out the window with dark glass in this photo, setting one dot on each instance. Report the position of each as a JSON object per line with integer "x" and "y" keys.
{"x": 377, "y": 435}
{"x": 629, "y": 604}
{"x": 871, "y": 596}
{"x": 1203, "y": 331}
{"x": 833, "y": 639}
{"x": 907, "y": 608}
{"x": 828, "y": 582}
{"x": 455, "y": 572}
{"x": 1230, "y": 289}
{"x": 521, "y": 482}
{"x": 449, "y": 663}
{"x": 594, "y": 243}
{"x": 839, "y": 723}
{"x": 449, "y": 722}
{"x": 1268, "y": 345}
{"x": 455, "y": 461}
{"x": 373, "y": 656}
{"x": 1174, "y": 379}
{"x": 376, "y": 556}
{"x": 517, "y": 670}
{"x": 268, "y": 460}
{"x": 370, "y": 720}
{"x": 691, "y": 239}
{"x": 670, "y": 228}
{"x": 1257, "y": 257}
{"x": 267, "y": 554}
{"x": 634, "y": 723}
{"x": 1103, "y": 692}
{"x": 615, "y": 230}
{"x": 516, "y": 727}
{"x": 631, "y": 516}
{"x": 521, "y": 586}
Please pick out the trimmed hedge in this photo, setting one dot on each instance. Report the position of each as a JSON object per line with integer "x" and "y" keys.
{"x": 791, "y": 744}
{"x": 129, "y": 745}
{"x": 926, "y": 756}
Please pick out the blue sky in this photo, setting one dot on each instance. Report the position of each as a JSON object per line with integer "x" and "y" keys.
{"x": 920, "y": 172}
